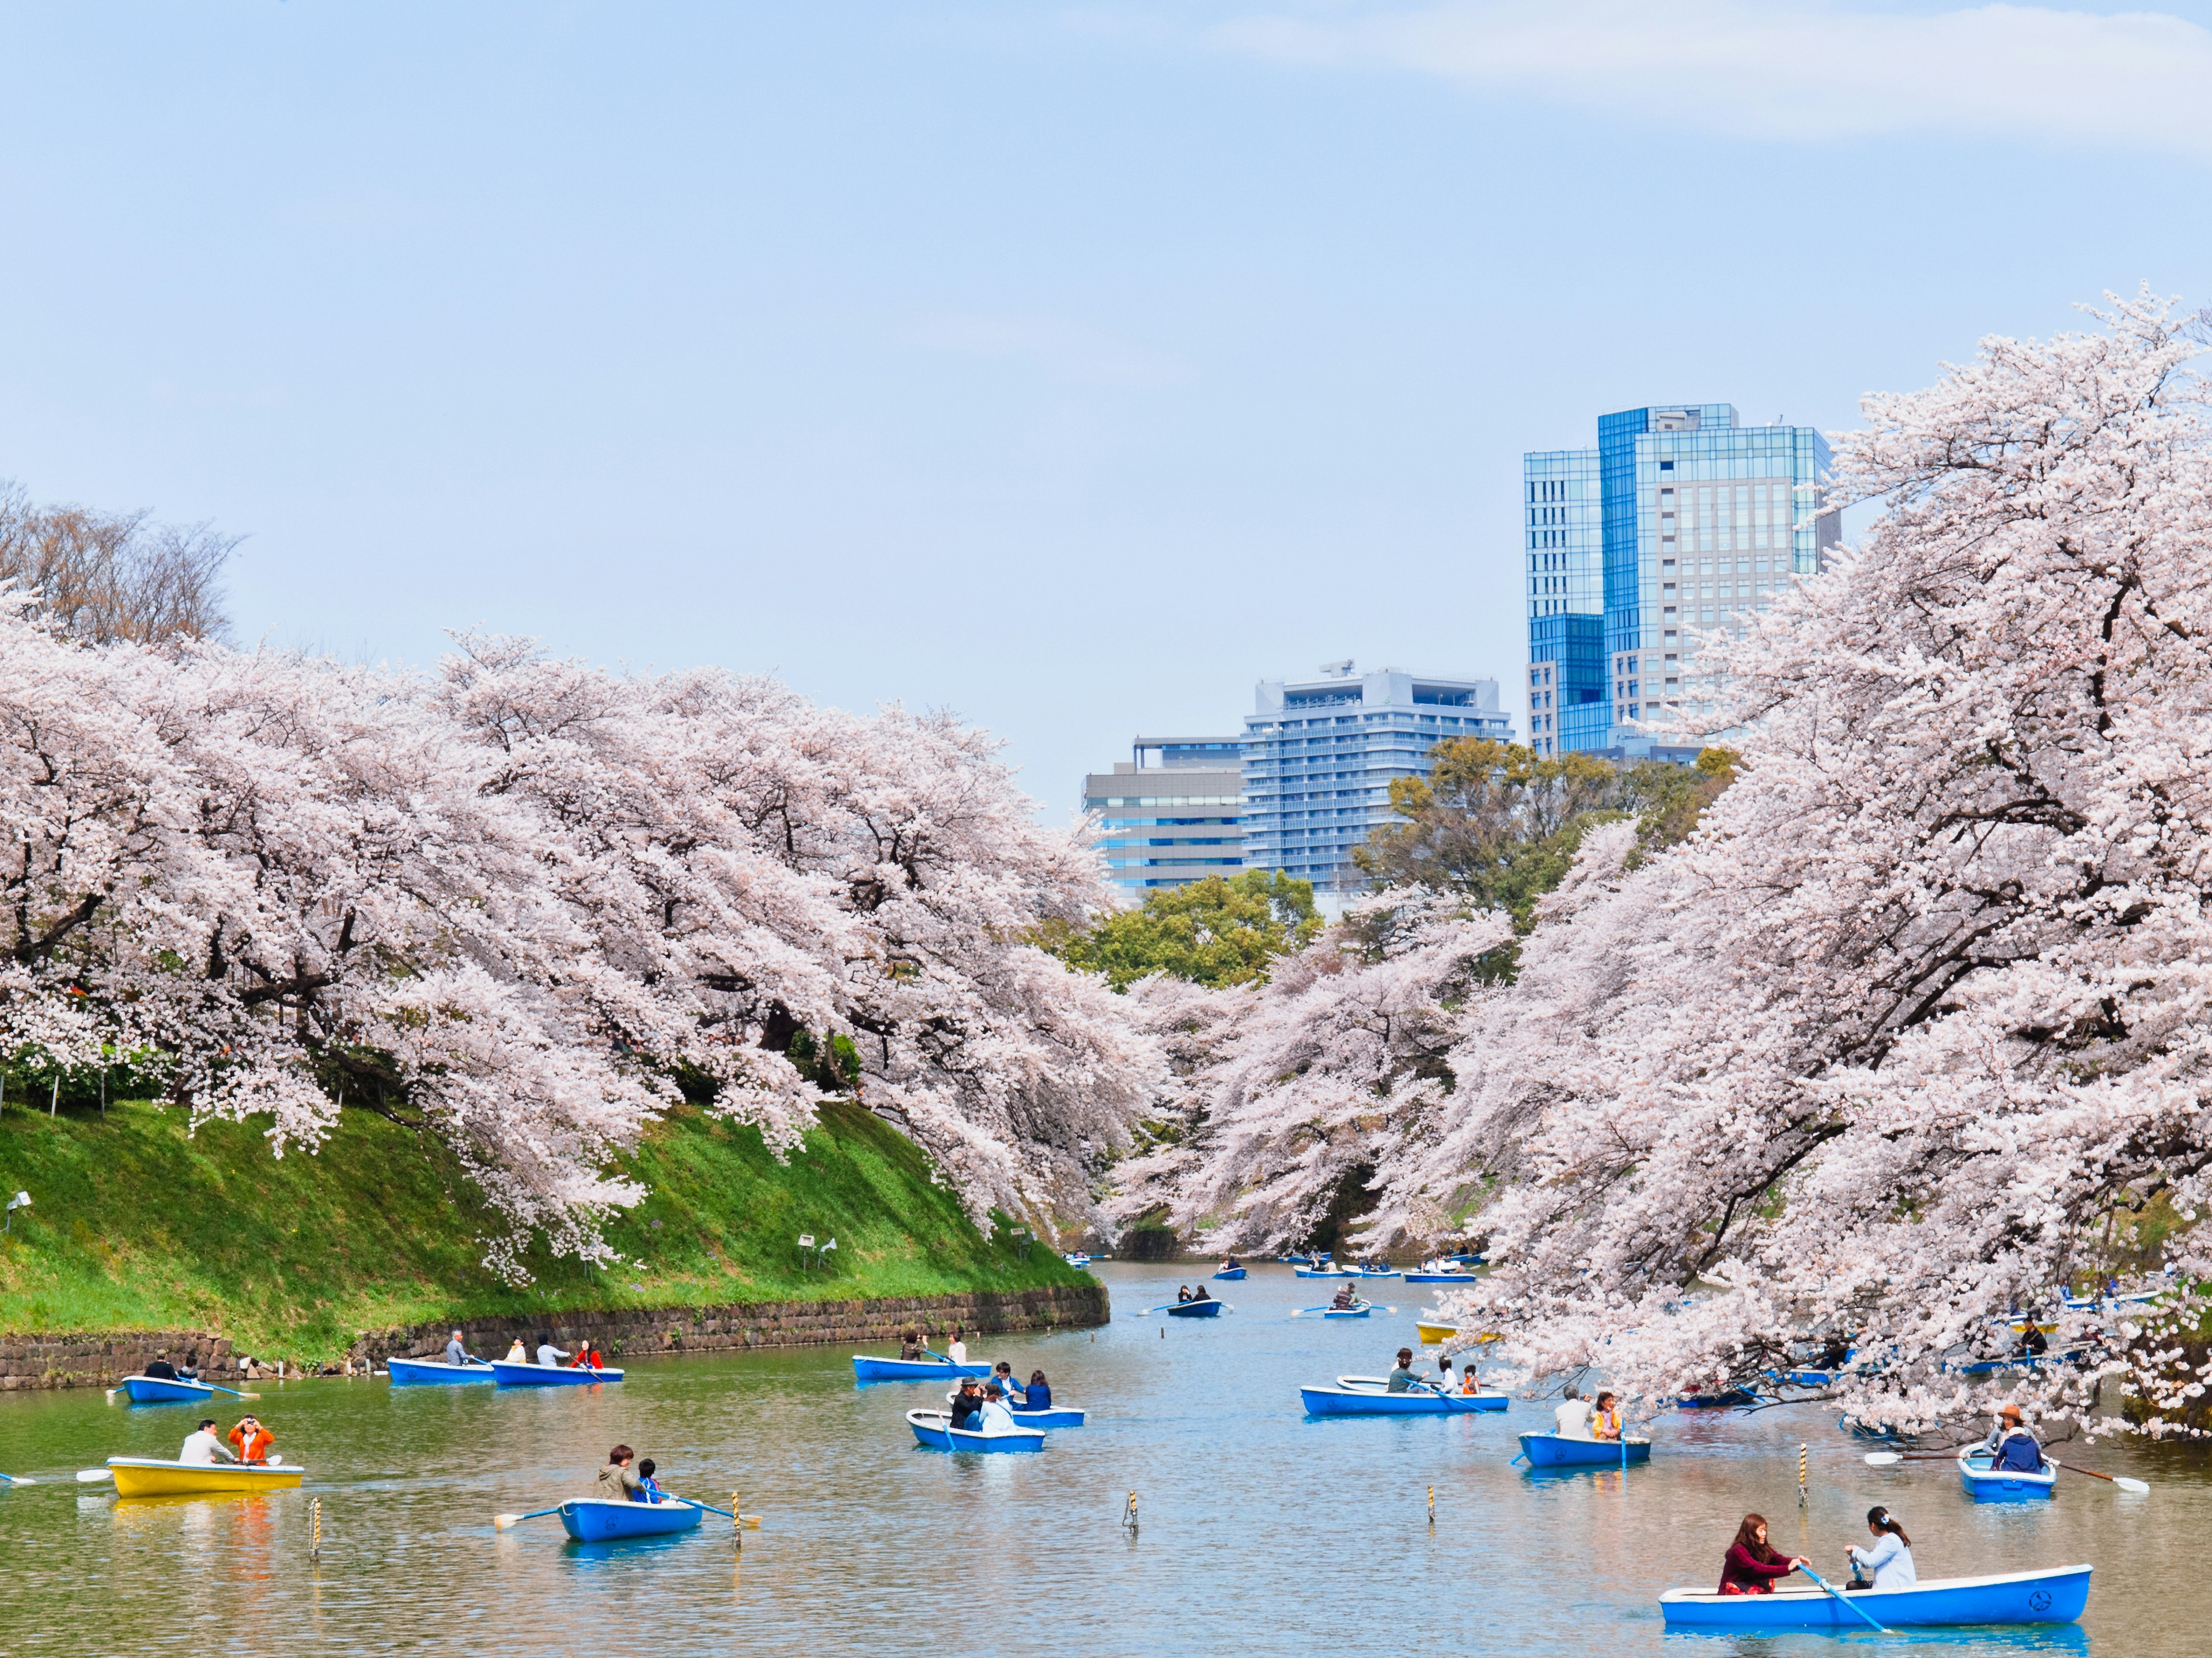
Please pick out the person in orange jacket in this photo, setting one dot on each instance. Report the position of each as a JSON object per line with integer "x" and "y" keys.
{"x": 252, "y": 1440}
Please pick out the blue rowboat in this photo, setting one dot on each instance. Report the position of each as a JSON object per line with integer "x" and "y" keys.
{"x": 1208, "y": 1309}
{"x": 1555, "y": 1451}
{"x": 1371, "y": 1272}
{"x": 1358, "y": 1310}
{"x": 1370, "y": 1395}
{"x": 1726, "y": 1400}
{"x": 1441, "y": 1278}
{"x": 2056, "y": 1596}
{"x": 548, "y": 1375}
{"x": 160, "y": 1390}
{"x": 406, "y": 1372}
{"x": 1327, "y": 1272}
{"x": 1078, "y": 1259}
{"x": 589, "y": 1520}
{"x": 934, "y": 1428}
{"x": 1234, "y": 1273}
{"x": 1059, "y": 1416}
{"x": 912, "y": 1369}
{"x": 1985, "y": 1483}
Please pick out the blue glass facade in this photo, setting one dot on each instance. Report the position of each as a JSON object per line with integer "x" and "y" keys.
{"x": 1320, "y": 756}
{"x": 1696, "y": 522}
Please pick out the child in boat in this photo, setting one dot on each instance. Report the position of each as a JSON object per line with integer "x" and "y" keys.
{"x": 648, "y": 1491}
{"x": 1605, "y": 1418}
{"x": 252, "y": 1440}
{"x": 1467, "y": 1384}
{"x": 618, "y": 1481}
{"x": 1751, "y": 1566}
{"x": 1039, "y": 1392}
{"x": 1890, "y": 1559}
{"x": 515, "y": 1355}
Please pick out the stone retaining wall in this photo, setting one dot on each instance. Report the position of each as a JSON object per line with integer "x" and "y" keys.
{"x": 102, "y": 1359}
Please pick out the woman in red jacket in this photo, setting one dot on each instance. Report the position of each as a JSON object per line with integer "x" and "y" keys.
{"x": 1751, "y": 1567}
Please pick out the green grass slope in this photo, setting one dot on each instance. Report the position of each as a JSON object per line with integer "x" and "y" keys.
{"x": 137, "y": 1225}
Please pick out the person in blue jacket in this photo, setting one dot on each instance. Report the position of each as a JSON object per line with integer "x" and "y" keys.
{"x": 2012, "y": 1448}
{"x": 1040, "y": 1392}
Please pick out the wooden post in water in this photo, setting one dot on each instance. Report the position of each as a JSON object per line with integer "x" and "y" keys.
{"x": 1801, "y": 1476}
{"x": 315, "y": 1546}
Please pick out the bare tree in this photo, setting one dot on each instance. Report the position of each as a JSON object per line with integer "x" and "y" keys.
{"x": 102, "y": 576}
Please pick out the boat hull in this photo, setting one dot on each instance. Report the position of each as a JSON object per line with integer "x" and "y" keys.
{"x": 1339, "y": 1400}
{"x": 1442, "y": 1278}
{"x": 1433, "y": 1333}
{"x": 934, "y": 1428}
{"x": 2020, "y": 1597}
{"x": 1208, "y": 1308}
{"x": 1234, "y": 1274}
{"x": 417, "y": 1372}
{"x": 157, "y": 1390}
{"x": 1986, "y": 1485}
{"x": 590, "y": 1520}
{"x": 548, "y": 1375}
{"x": 912, "y": 1369}
{"x": 1551, "y": 1451}
{"x": 1345, "y": 1312}
{"x": 138, "y": 1476}
{"x": 1060, "y": 1416}
{"x": 1324, "y": 1272}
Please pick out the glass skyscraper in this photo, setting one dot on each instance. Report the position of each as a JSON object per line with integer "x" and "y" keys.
{"x": 1320, "y": 754}
{"x": 1679, "y": 521}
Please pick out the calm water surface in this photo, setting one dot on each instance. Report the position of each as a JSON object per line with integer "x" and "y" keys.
{"x": 1261, "y": 1533}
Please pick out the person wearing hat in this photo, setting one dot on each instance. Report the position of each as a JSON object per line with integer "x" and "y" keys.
{"x": 2012, "y": 1448}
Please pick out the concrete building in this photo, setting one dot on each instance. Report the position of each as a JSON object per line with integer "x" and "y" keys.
{"x": 1680, "y": 520}
{"x": 1319, "y": 755}
{"x": 1170, "y": 815}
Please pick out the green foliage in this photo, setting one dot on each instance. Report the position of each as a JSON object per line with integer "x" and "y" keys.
{"x": 1502, "y": 824}
{"x": 135, "y": 1225}
{"x": 1214, "y": 931}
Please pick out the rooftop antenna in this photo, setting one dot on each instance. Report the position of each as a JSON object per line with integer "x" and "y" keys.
{"x": 1338, "y": 670}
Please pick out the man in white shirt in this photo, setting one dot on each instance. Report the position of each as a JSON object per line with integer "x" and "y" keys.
{"x": 202, "y": 1448}
{"x": 1574, "y": 1417}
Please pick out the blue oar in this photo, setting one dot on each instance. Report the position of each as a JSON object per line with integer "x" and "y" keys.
{"x": 751, "y": 1520}
{"x": 1859, "y": 1613}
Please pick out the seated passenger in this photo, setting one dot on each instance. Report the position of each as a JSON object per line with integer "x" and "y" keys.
{"x": 1402, "y": 1378}
{"x": 1002, "y": 1377}
{"x": 618, "y": 1481}
{"x": 1040, "y": 1392}
{"x": 515, "y": 1354}
{"x": 996, "y": 1419}
{"x": 1751, "y": 1567}
{"x": 1890, "y": 1559}
{"x": 1343, "y": 1300}
{"x": 1605, "y": 1419}
{"x": 158, "y": 1366}
{"x": 967, "y": 1404}
{"x": 1202, "y": 1293}
{"x": 1183, "y": 1293}
{"x": 647, "y": 1490}
{"x": 1573, "y": 1417}
{"x": 2011, "y": 1447}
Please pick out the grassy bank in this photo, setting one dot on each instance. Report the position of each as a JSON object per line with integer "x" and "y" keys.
{"x": 135, "y": 1225}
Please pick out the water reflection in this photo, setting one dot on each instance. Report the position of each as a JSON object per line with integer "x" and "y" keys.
{"x": 1262, "y": 1534}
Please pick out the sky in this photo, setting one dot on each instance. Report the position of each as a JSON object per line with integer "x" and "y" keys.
{"x": 1071, "y": 368}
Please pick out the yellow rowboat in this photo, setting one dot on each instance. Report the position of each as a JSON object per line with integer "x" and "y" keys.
{"x": 139, "y": 1476}
{"x": 1433, "y": 1333}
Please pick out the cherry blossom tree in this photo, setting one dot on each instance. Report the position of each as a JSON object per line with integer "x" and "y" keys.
{"x": 525, "y": 904}
{"x": 1883, "y": 1048}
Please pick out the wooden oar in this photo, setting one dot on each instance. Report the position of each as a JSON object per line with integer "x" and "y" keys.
{"x": 504, "y": 1520}
{"x": 1860, "y": 1612}
{"x": 2121, "y": 1481}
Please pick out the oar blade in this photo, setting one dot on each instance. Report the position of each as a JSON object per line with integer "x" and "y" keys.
{"x": 2139, "y": 1487}
{"x": 91, "y": 1476}
{"x": 1882, "y": 1458}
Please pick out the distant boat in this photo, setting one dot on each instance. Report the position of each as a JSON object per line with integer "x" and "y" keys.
{"x": 1724, "y": 1400}
{"x": 594, "y": 1520}
{"x": 1077, "y": 1259}
{"x": 1059, "y": 1416}
{"x": 548, "y": 1376}
{"x": 1327, "y": 1272}
{"x": 1433, "y": 1333}
{"x": 1442, "y": 1278}
{"x": 2056, "y": 1596}
{"x": 1208, "y": 1307}
{"x": 413, "y": 1371}
{"x": 165, "y": 1390}
{"x": 1986, "y": 1483}
{"x": 1370, "y": 1395}
{"x": 1557, "y": 1451}
{"x": 934, "y": 1428}
{"x": 1357, "y": 1309}
{"x": 1235, "y": 1274}
{"x": 144, "y": 1476}
{"x": 865, "y": 1368}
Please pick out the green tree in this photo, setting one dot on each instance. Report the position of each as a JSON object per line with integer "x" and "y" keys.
{"x": 1502, "y": 824}
{"x": 1214, "y": 931}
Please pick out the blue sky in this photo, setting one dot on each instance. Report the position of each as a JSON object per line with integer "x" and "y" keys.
{"x": 1071, "y": 368}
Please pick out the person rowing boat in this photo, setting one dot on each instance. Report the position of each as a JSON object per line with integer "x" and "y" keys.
{"x": 1402, "y": 1378}
{"x": 1573, "y": 1416}
{"x": 1342, "y": 1304}
{"x": 619, "y": 1482}
{"x": 1751, "y": 1566}
{"x": 1890, "y": 1559}
{"x": 2012, "y": 1448}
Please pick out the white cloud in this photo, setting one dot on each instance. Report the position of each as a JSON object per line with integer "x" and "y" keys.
{"x": 1804, "y": 72}
{"x": 1065, "y": 351}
